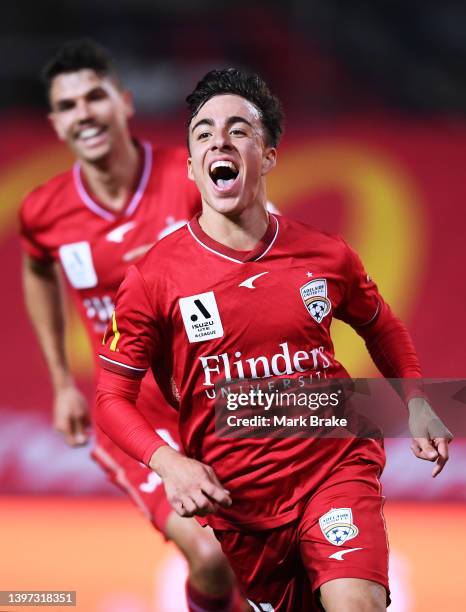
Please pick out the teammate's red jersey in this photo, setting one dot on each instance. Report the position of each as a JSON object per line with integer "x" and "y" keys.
{"x": 62, "y": 221}
{"x": 198, "y": 312}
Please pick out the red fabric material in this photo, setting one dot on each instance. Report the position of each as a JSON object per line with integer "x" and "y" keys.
{"x": 191, "y": 349}
{"x": 392, "y": 350}
{"x": 118, "y": 416}
{"x": 285, "y": 566}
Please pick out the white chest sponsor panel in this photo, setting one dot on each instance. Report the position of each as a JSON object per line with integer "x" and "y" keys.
{"x": 76, "y": 259}
{"x": 201, "y": 317}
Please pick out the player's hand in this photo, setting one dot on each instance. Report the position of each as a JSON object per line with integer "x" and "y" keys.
{"x": 430, "y": 436}
{"x": 71, "y": 415}
{"x": 191, "y": 486}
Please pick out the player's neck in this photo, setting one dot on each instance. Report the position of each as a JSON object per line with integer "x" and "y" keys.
{"x": 112, "y": 179}
{"x": 241, "y": 232}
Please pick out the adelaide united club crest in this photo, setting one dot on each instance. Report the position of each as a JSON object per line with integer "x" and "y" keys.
{"x": 314, "y": 294}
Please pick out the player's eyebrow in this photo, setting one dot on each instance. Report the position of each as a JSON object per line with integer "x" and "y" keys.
{"x": 64, "y": 103}
{"x": 237, "y": 119}
{"x": 202, "y": 122}
{"x": 230, "y": 121}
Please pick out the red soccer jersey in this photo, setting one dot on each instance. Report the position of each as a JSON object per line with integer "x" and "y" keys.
{"x": 61, "y": 221}
{"x": 197, "y": 312}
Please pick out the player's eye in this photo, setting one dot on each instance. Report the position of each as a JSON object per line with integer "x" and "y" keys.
{"x": 237, "y": 132}
{"x": 97, "y": 94}
{"x": 63, "y": 106}
{"x": 203, "y": 135}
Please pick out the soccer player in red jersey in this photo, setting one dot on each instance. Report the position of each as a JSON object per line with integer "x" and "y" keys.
{"x": 240, "y": 294}
{"x": 92, "y": 222}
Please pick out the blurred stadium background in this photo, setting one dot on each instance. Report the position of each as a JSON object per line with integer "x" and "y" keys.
{"x": 375, "y": 148}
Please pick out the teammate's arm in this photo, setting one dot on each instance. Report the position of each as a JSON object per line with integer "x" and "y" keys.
{"x": 44, "y": 303}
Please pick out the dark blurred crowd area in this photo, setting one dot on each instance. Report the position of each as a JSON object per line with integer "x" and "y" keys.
{"x": 321, "y": 56}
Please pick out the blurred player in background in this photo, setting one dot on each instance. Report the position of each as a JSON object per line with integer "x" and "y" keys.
{"x": 88, "y": 225}
{"x": 252, "y": 295}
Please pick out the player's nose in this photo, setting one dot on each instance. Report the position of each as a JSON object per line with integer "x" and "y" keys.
{"x": 221, "y": 140}
{"x": 83, "y": 111}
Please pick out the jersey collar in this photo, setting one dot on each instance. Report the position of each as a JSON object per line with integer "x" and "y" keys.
{"x": 132, "y": 205}
{"x": 258, "y": 252}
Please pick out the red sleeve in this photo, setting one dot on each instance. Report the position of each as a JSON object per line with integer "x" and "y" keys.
{"x": 130, "y": 343}
{"x": 132, "y": 337}
{"x": 116, "y": 414}
{"x": 387, "y": 339}
{"x": 28, "y": 232}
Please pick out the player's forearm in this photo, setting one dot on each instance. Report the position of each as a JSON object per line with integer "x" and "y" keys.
{"x": 117, "y": 415}
{"x": 44, "y": 303}
{"x": 392, "y": 350}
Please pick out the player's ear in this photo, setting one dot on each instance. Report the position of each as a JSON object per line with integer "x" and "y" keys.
{"x": 269, "y": 159}
{"x": 190, "y": 169}
{"x": 129, "y": 102}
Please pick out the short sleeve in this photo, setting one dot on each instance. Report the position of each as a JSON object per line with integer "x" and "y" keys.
{"x": 362, "y": 300}
{"x": 132, "y": 337}
{"x": 28, "y": 235}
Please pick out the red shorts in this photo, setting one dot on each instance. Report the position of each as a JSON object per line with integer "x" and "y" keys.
{"x": 341, "y": 534}
{"x": 141, "y": 483}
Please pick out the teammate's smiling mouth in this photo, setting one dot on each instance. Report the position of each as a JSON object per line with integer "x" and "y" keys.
{"x": 223, "y": 173}
{"x": 90, "y": 132}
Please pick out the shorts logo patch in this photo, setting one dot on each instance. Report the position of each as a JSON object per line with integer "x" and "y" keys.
{"x": 76, "y": 259}
{"x": 201, "y": 317}
{"x": 337, "y": 526}
{"x": 314, "y": 294}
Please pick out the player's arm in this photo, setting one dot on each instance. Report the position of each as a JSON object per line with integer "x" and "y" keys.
{"x": 130, "y": 344}
{"x": 44, "y": 303}
{"x": 392, "y": 350}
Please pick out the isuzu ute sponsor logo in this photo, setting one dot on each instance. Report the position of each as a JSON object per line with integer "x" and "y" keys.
{"x": 227, "y": 367}
{"x": 201, "y": 317}
{"x": 76, "y": 259}
{"x": 314, "y": 294}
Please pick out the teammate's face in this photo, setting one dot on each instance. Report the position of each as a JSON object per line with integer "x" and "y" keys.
{"x": 229, "y": 155}
{"x": 89, "y": 112}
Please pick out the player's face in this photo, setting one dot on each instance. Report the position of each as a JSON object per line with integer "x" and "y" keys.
{"x": 229, "y": 155}
{"x": 89, "y": 112}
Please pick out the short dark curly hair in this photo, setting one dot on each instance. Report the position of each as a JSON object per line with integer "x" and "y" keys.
{"x": 247, "y": 85}
{"x": 77, "y": 55}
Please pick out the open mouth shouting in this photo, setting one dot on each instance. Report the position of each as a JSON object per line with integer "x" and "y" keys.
{"x": 224, "y": 175}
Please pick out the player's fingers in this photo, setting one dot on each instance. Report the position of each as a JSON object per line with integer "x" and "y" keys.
{"x": 65, "y": 427}
{"x": 178, "y": 508}
{"x": 424, "y": 449}
{"x": 188, "y": 506}
{"x": 204, "y": 505}
{"x": 79, "y": 431}
{"x": 75, "y": 434}
{"x": 416, "y": 449}
{"x": 217, "y": 493}
{"x": 442, "y": 447}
